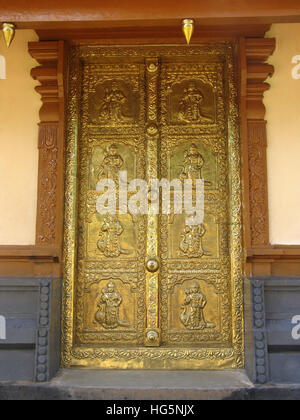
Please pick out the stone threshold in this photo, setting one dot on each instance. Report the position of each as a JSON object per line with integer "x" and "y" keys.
{"x": 80, "y": 384}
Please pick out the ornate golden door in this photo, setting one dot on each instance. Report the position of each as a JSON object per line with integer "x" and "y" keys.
{"x": 149, "y": 291}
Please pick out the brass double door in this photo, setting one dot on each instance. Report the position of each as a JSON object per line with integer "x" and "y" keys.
{"x": 150, "y": 291}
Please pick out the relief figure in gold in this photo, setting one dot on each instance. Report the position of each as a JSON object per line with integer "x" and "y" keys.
{"x": 111, "y": 164}
{"x": 190, "y": 106}
{"x": 191, "y": 241}
{"x": 192, "y": 164}
{"x": 109, "y": 242}
{"x": 108, "y": 308}
{"x": 192, "y": 316}
{"x": 113, "y": 105}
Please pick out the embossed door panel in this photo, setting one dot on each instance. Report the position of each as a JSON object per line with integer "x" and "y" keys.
{"x": 110, "y": 299}
{"x": 195, "y": 262}
{"x": 150, "y": 291}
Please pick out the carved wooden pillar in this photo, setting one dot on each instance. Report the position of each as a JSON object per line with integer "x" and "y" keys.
{"x": 257, "y": 51}
{"x": 51, "y": 57}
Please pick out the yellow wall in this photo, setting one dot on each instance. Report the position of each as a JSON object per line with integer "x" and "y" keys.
{"x": 19, "y": 108}
{"x": 283, "y": 116}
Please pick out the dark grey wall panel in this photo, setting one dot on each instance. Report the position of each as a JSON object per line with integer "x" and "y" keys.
{"x": 16, "y": 365}
{"x": 31, "y": 349}
{"x": 281, "y": 302}
{"x": 19, "y": 306}
{"x": 285, "y": 367}
{"x": 19, "y": 329}
{"x": 282, "y": 297}
{"x": 16, "y": 299}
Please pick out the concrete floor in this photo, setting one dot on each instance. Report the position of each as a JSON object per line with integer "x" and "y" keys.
{"x": 75, "y": 384}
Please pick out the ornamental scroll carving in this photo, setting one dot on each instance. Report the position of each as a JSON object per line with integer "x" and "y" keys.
{"x": 257, "y": 183}
{"x": 257, "y": 52}
{"x": 48, "y": 161}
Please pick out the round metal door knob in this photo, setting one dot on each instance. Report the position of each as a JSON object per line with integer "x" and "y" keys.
{"x": 152, "y": 265}
{"x": 152, "y": 335}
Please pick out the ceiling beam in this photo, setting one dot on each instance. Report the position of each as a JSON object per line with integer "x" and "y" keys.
{"x": 67, "y": 14}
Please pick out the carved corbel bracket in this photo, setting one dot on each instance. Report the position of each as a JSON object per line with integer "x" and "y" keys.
{"x": 257, "y": 52}
{"x": 51, "y": 57}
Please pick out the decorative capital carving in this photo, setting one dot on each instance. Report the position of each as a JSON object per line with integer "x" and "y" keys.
{"x": 258, "y": 51}
{"x": 48, "y": 55}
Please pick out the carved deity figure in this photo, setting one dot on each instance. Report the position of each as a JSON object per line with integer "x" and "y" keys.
{"x": 192, "y": 164}
{"x": 111, "y": 164}
{"x": 109, "y": 242}
{"x": 192, "y": 315}
{"x": 191, "y": 241}
{"x": 113, "y": 104}
{"x": 190, "y": 106}
{"x": 108, "y": 308}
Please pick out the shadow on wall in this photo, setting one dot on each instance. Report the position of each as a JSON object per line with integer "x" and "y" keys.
{"x": 2, "y": 67}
